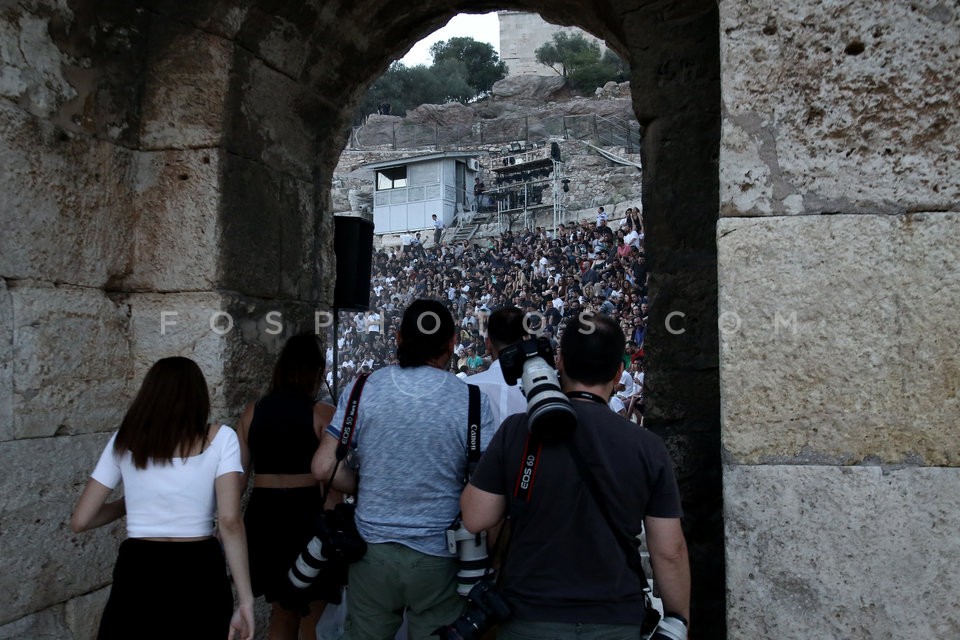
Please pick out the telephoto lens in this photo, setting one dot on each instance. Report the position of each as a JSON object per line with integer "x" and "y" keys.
{"x": 308, "y": 565}
{"x": 474, "y": 562}
{"x": 672, "y": 627}
{"x": 550, "y": 416}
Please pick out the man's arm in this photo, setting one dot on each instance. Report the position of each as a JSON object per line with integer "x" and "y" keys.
{"x": 324, "y": 461}
{"x": 671, "y": 567}
{"x": 481, "y": 510}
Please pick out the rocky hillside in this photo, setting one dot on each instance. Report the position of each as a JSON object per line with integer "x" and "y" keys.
{"x": 527, "y": 108}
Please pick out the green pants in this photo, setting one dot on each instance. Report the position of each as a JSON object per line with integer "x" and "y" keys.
{"x": 392, "y": 579}
{"x": 524, "y": 630}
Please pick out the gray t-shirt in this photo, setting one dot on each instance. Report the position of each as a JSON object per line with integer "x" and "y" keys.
{"x": 411, "y": 440}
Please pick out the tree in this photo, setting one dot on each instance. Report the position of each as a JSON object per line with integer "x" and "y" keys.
{"x": 406, "y": 88}
{"x": 482, "y": 63}
{"x": 583, "y": 63}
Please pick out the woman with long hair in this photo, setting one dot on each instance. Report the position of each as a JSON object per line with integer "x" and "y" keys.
{"x": 178, "y": 471}
{"x": 278, "y": 436}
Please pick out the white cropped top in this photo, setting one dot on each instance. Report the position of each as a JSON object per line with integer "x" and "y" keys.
{"x": 174, "y": 500}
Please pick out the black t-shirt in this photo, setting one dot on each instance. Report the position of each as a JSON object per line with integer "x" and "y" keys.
{"x": 563, "y": 563}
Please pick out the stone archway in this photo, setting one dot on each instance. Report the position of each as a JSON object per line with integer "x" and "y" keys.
{"x": 169, "y": 187}
{"x": 165, "y": 167}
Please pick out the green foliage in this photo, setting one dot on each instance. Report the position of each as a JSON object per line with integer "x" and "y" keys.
{"x": 405, "y": 88}
{"x": 582, "y": 62}
{"x": 484, "y": 66}
{"x": 462, "y": 70}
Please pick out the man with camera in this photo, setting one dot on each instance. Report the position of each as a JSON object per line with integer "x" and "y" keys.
{"x": 505, "y": 327}
{"x": 411, "y": 439}
{"x": 565, "y": 571}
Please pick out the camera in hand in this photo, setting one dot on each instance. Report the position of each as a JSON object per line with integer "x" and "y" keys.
{"x": 485, "y": 608}
{"x": 549, "y": 414}
{"x": 471, "y": 550}
{"x": 336, "y": 544}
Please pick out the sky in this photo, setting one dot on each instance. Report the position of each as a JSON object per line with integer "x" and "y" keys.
{"x": 483, "y": 27}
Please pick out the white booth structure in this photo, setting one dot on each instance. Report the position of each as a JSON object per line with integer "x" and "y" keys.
{"x": 407, "y": 192}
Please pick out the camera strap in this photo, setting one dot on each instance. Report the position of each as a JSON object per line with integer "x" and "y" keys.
{"x": 524, "y": 485}
{"x": 473, "y": 431}
{"x": 528, "y": 469}
{"x": 627, "y": 543}
{"x": 346, "y": 430}
{"x": 350, "y": 417}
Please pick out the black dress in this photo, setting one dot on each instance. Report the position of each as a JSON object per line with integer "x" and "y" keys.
{"x": 280, "y": 522}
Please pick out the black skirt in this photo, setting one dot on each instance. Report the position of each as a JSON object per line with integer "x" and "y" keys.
{"x": 168, "y": 590}
{"x": 280, "y": 523}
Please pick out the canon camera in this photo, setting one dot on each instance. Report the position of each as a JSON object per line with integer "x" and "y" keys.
{"x": 549, "y": 414}
{"x": 322, "y": 566}
{"x": 485, "y": 608}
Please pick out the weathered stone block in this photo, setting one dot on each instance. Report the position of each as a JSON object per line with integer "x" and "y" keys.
{"x": 71, "y": 360}
{"x": 193, "y": 325}
{"x": 849, "y": 552}
{"x": 44, "y": 562}
{"x": 185, "y": 94}
{"x": 6, "y": 363}
{"x": 47, "y": 624}
{"x": 276, "y": 120}
{"x": 839, "y": 107}
{"x": 77, "y": 65}
{"x": 32, "y": 67}
{"x": 271, "y": 234}
{"x": 82, "y": 614}
{"x": 263, "y": 327}
{"x": 282, "y": 36}
{"x": 838, "y": 339}
{"x": 177, "y": 210}
{"x": 302, "y": 243}
{"x": 65, "y": 210}
{"x": 222, "y": 19}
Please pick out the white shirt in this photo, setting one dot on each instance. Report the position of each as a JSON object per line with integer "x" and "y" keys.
{"x": 627, "y": 381}
{"x": 616, "y": 404}
{"x": 373, "y": 323}
{"x": 504, "y": 400}
{"x": 175, "y": 500}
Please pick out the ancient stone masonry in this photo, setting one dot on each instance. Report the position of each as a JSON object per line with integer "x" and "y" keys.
{"x": 170, "y": 160}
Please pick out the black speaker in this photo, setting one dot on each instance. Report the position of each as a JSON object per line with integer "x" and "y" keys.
{"x": 353, "y": 245}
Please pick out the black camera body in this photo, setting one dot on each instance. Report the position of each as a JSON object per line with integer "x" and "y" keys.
{"x": 486, "y": 607}
{"x": 550, "y": 416}
{"x": 321, "y": 568}
{"x": 513, "y": 357}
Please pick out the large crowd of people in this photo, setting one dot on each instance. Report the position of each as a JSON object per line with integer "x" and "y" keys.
{"x": 596, "y": 265}
{"x": 439, "y": 475}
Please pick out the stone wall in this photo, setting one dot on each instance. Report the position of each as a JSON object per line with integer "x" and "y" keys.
{"x": 838, "y": 254}
{"x": 521, "y": 34}
{"x": 122, "y": 130}
{"x": 169, "y": 156}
